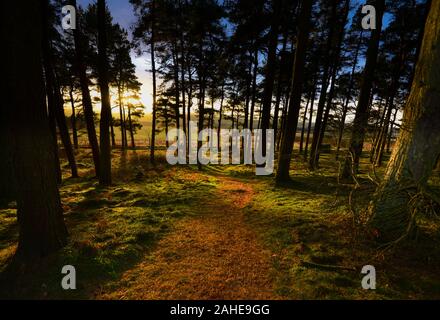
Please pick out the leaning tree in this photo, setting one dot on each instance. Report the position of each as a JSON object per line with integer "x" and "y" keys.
{"x": 418, "y": 147}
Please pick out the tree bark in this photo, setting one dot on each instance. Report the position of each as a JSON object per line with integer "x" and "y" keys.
{"x": 289, "y": 130}
{"x": 336, "y": 66}
{"x": 254, "y": 89}
{"x": 105, "y": 176}
{"x": 85, "y": 92}
{"x": 177, "y": 84}
{"x": 62, "y": 126}
{"x": 220, "y": 118}
{"x": 309, "y": 127}
{"x": 153, "y": 70}
{"x": 130, "y": 126}
{"x": 390, "y": 134}
{"x": 362, "y": 111}
{"x": 348, "y": 96}
{"x": 121, "y": 116}
{"x": 73, "y": 118}
{"x": 39, "y": 210}
{"x": 279, "y": 93}
{"x": 324, "y": 86}
{"x": 248, "y": 95}
{"x": 112, "y": 132}
{"x": 270, "y": 73}
{"x": 303, "y": 127}
{"x": 417, "y": 149}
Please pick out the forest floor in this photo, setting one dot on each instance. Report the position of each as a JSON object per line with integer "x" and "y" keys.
{"x": 162, "y": 232}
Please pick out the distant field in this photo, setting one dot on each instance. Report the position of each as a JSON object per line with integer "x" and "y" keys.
{"x": 143, "y": 136}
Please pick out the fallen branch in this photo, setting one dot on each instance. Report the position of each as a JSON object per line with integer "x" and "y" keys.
{"x": 326, "y": 266}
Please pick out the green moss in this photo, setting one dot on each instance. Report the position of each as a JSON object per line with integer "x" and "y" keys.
{"x": 308, "y": 219}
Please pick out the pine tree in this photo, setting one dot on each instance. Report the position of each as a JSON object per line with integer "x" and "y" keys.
{"x": 295, "y": 96}
{"x": 40, "y": 214}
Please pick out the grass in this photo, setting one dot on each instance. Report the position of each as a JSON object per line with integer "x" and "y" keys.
{"x": 110, "y": 228}
{"x": 306, "y": 225}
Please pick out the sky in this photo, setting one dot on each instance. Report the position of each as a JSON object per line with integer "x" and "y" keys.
{"x": 122, "y": 12}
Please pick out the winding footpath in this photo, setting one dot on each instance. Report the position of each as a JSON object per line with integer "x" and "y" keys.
{"x": 213, "y": 255}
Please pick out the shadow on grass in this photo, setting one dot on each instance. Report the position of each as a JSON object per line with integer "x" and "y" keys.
{"x": 315, "y": 184}
{"x": 111, "y": 229}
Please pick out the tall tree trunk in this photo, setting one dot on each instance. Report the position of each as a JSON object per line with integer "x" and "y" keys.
{"x": 130, "y": 126}
{"x": 190, "y": 103}
{"x": 381, "y": 140}
{"x": 417, "y": 149}
{"x": 348, "y": 96}
{"x": 182, "y": 69}
{"x": 248, "y": 95}
{"x": 201, "y": 113}
{"x": 121, "y": 117}
{"x": 309, "y": 127}
{"x": 324, "y": 86}
{"x": 64, "y": 131}
{"x": 112, "y": 132}
{"x": 301, "y": 143}
{"x": 325, "y": 118}
{"x": 50, "y": 86}
{"x": 73, "y": 118}
{"x": 183, "y": 88}
{"x": 167, "y": 143}
{"x": 390, "y": 134}
{"x": 378, "y": 127}
{"x": 289, "y": 130}
{"x": 177, "y": 84}
{"x": 53, "y": 128}
{"x": 270, "y": 73}
{"x": 220, "y": 118}
{"x": 279, "y": 93}
{"x": 284, "y": 114}
{"x": 124, "y": 120}
{"x": 85, "y": 92}
{"x": 336, "y": 65}
{"x": 202, "y": 94}
{"x": 283, "y": 119}
{"x": 232, "y": 116}
{"x": 362, "y": 112}
{"x": 153, "y": 70}
{"x": 40, "y": 215}
{"x": 254, "y": 89}
{"x": 105, "y": 176}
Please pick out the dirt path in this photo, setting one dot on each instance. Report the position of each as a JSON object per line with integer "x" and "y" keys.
{"x": 212, "y": 256}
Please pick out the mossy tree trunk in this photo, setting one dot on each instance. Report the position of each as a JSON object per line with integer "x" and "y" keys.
{"x": 418, "y": 147}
